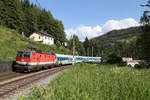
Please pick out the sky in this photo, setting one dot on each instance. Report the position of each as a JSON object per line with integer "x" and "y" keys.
{"x": 93, "y": 18}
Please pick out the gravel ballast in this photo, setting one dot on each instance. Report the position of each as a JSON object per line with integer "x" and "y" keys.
{"x": 26, "y": 91}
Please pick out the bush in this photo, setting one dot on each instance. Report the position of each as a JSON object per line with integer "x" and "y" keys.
{"x": 113, "y": 58}
{"x": 137, "y": 66}
{"x": 141, "y": 65}
{"x": 122, "y": 63}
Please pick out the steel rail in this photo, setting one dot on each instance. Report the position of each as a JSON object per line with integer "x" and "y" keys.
{"x": 14, "y": 85}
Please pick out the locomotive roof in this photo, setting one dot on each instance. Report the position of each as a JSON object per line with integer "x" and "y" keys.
{"x": 62, "y": 55}
{"x": 36, "y": 51}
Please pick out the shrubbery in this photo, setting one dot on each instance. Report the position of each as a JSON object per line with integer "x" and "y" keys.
{"x": 141, "y": 65}
{"x": 122, "y": 64}
{"x": 113, "y": 59}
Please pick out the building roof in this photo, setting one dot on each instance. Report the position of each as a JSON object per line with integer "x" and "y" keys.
{"x": 43, "y": 33}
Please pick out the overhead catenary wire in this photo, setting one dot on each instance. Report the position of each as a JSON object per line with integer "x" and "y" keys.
{"x": 38, "y": 3}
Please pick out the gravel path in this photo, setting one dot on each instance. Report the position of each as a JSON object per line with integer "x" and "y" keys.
{"x": 27, "y": 90}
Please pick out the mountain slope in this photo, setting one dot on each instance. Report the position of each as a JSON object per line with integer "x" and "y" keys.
{"x": 11, "y": 41}
{"x": 119, "y": 35}
{"x": 121, "y": 42}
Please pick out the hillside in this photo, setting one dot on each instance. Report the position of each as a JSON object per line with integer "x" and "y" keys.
{"x": 11, "y": 41}
{"x": 121, "y": 42}
{"x": 119, "y": 35}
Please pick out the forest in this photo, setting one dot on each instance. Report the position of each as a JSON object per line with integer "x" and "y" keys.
{"x": 25, "y": 17}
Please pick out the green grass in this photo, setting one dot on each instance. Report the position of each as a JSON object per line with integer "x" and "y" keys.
{"x": 11, "y": 41}
{"x": 96, "y": 82}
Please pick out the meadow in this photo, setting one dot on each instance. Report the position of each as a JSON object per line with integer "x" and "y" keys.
{"x": 96, "y": 82}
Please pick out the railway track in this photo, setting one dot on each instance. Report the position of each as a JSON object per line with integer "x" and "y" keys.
{"x": 7, "y": 88}
{"x": 5, "y": 77}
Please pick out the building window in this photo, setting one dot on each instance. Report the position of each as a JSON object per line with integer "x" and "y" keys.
{"x": 33, "y": 37}
{"x": 39, "y": 37}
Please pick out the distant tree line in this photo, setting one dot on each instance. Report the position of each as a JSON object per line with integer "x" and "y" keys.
{"x": 25, "y": 17}
{"x": 84, "y": 48}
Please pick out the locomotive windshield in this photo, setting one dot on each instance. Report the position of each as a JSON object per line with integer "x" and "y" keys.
{"x": 19, "y": 54}
{"x": 24, "y": 54}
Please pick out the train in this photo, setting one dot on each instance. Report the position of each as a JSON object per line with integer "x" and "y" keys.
{"x": 33, "y": 60}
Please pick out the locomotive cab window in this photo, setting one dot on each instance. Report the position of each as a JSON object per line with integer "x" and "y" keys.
{"x": 27, "y": 55}
{"x": 20, "y": 54}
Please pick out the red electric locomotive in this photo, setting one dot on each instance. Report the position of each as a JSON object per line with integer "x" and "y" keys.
{"x": 29, "y": 60}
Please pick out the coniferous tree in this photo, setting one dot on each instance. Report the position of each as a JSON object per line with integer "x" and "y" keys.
{"x": 2, "y": 11}
{"x": 13, "y": 14}
{"x": 144, "y": 39}
{"x": 21, "y": 17}
{"x": 26, "y": 17}
{"x": 57, "y": 29}
{"x": 30, "y": 18}
{"x": 86, "y": 46}
{"x": 46, "y": 18}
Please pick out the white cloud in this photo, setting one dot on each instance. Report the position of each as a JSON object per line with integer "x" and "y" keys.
{"x": 114, "y": 24}
{"x": 82, "y": 31}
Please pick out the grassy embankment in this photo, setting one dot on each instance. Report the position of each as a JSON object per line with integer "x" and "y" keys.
{"x": 96, "y": 82}
{"x": 11, "y": 41}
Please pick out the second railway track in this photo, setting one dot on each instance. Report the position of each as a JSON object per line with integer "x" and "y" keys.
{"x": 8, "y": 87}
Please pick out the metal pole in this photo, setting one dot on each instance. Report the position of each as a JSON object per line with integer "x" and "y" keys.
{"x": 88, "y": 52}
{"x": 92, "y": 53}
{"x": 73, "y": 51}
